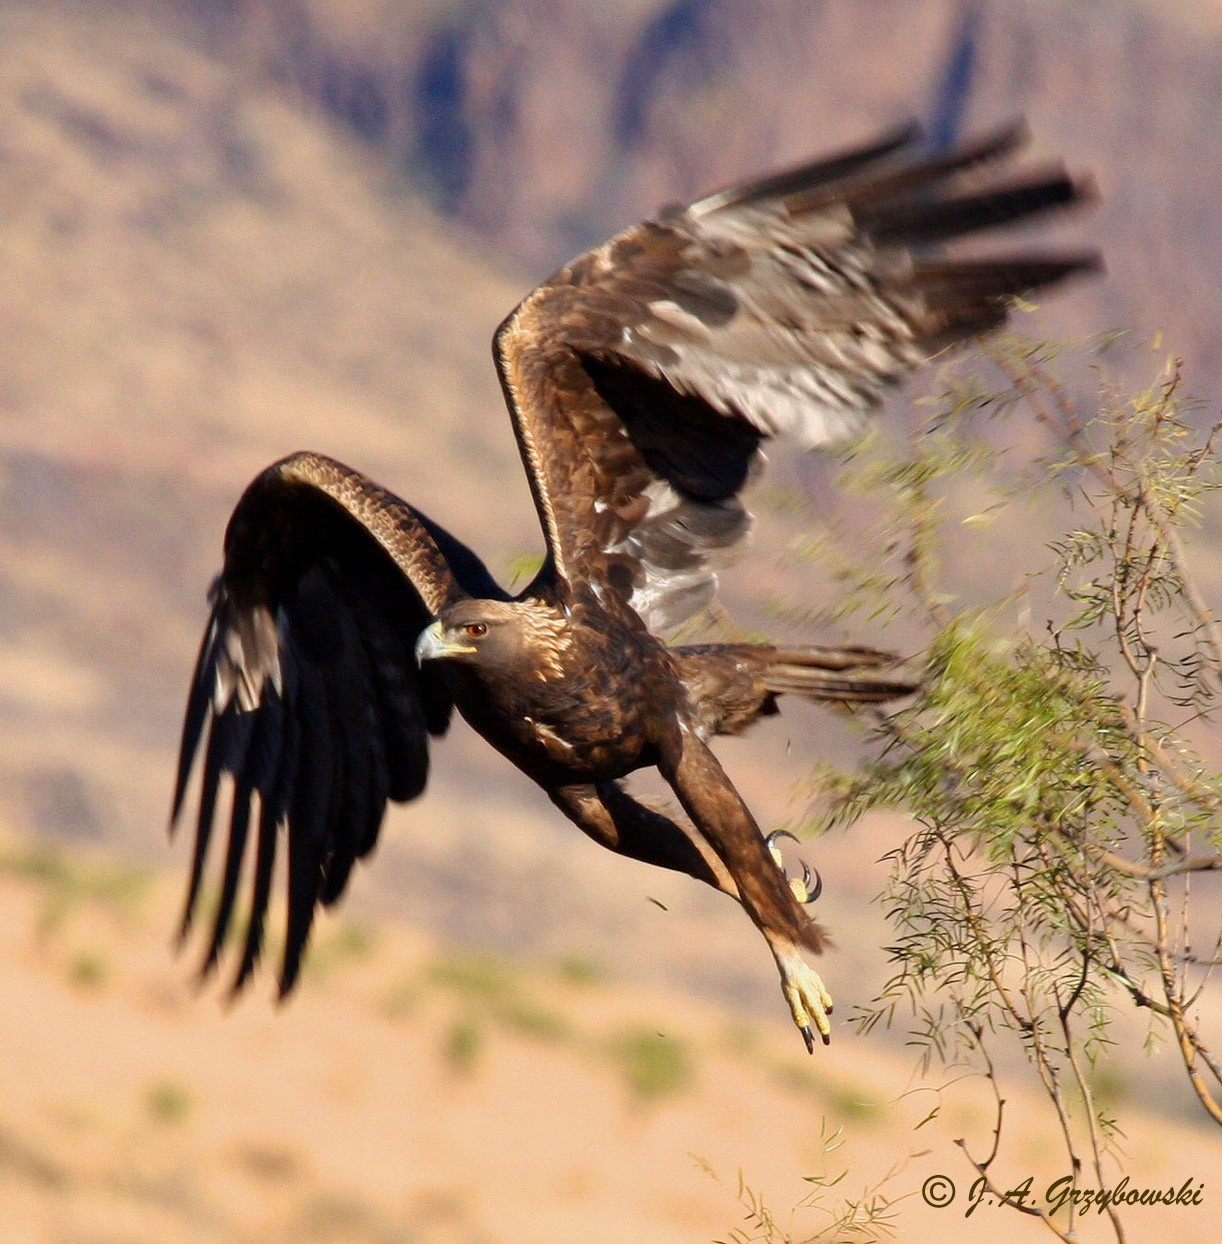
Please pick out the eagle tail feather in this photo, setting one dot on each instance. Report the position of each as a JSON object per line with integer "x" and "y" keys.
{"x": 850, "y": 675}
{"x": 731, "y": 686}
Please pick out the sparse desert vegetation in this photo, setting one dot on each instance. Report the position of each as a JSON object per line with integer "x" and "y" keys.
{"x": 415, "y": 1091}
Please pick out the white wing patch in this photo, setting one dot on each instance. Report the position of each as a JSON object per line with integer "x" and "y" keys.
{"x": 249, "y": 657}
{"x": 676, "y": 546}
{"x": 809, "y": 350}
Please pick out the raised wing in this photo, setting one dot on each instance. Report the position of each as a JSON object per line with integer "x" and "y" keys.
{"x": 307, "y": 688}
{"x": 643, "y": 377}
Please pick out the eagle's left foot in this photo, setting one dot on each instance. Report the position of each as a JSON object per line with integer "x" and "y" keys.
{"x": 808, "y": 886}
{"x": 804, "y": 990}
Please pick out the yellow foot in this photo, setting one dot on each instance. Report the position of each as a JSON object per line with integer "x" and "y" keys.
{"x": 804, "y": 990}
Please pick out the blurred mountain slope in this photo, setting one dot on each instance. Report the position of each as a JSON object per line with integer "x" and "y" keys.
{"x": 545, "y": 124}
{"x": 413, "y": 1094}
{"x": 198, "y": 279}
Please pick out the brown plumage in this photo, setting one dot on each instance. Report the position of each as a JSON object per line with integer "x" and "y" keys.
{"x": 641, "y": 381}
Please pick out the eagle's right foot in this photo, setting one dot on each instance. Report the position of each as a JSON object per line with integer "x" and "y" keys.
{"x": 804, "y": 990}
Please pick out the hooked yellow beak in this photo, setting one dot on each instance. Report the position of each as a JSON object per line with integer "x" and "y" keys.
{"x": 433, "y": 644}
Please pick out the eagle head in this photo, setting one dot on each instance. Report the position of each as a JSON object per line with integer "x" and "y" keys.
{"x": 521, "y": 636}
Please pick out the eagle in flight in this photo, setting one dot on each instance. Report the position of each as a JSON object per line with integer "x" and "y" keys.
{"x": 642, "y": 380}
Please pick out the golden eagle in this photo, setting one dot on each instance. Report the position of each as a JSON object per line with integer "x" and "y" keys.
{"x": 641, "y": 380}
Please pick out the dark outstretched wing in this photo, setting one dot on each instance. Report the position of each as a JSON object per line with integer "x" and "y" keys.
{"x": 307, "y": 692}
{"x": 643, "y": 377}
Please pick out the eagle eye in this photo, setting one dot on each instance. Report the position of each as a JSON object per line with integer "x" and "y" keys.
{"x": 476, "y": 630}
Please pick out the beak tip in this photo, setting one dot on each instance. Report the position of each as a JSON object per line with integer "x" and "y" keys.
{"x": 428, "y": 643}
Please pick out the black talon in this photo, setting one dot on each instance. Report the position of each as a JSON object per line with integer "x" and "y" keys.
{"x": 809, "y": 1038}
{"x": 811, "y": 895}
{"x": 770, "y": 842}
{"x": 807, "y": 876}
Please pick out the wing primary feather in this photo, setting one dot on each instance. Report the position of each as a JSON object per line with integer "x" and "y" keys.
{"x": 265, "y": 858}
{"x": 820, "y": 172}
{"x": 377, "y": 730}
{"x": 272, "y": 814}
{"x": 346, "y": 807}
{"x": 921, "y": 222}
{"x": 239, "y": 824}
{"x": 308, "y": 815}
{"x": 905, "y": 181}
{"x": 196, "y": 715}
{"x": 303, "y": 886}
{"x": 376, "y": 812}
{"x": 956, "y": 280}
{"x": 361, "y": 692}
{"x": 270, "y": 782}
{"x": 209, "y": 787}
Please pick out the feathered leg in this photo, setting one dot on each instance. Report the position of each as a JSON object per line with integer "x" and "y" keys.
{"x": 609, "y": 815}
{"x": 617, "y": 821}
{"x": 719, "y": 813}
